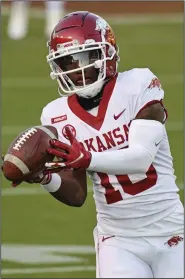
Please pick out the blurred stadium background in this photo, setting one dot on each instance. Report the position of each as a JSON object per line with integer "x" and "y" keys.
{"x": 42, "y": 238}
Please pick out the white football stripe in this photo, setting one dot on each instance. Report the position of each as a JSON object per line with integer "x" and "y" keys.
{"x": 47, "y": 131}
{"x": 17, "y": 162}
{"x": 59, "y": 269}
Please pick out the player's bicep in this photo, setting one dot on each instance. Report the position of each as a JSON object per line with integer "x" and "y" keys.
{"x": 148, "y": 103}
{"x": 153, "y": 112}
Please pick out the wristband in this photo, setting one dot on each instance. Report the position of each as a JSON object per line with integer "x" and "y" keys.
{"x": 54, "y": 184}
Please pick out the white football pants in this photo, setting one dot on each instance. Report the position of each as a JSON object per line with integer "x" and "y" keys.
{"x": 143, "y": 257}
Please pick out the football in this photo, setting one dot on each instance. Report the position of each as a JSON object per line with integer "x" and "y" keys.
{"x": 26, "y": 155}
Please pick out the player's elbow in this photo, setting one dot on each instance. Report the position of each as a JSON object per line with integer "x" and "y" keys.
{"x": 74, "y": 201}
{"x": 143, "y": 168}
{"x": 144, "y": 160}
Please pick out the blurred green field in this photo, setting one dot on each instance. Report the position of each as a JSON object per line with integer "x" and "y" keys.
{"x": 29, "y": 215}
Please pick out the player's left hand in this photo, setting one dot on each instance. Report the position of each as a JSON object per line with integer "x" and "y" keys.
{"x": 74, "y": 156}
{"x": 42, "y": 178}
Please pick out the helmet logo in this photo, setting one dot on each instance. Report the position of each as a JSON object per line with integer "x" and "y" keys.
{"x": 106, "y": 30}
{"x": 71, "y": 128}
{"x": 111, "y": 37}
{"x": 101, "y": 25}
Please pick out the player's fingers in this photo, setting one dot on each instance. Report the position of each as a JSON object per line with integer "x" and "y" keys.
{"x": 59, "y": 144}
{"x": 53, "y": 170}
{"x": 70, "y": 135}
{"x": 57, "y": 153}
{"x": 54, "y": 164}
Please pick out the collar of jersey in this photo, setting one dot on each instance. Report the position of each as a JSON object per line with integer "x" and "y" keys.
{"x": 94, "y": 121}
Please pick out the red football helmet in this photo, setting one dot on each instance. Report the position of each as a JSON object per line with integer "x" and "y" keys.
{"x": 80, "y": 41}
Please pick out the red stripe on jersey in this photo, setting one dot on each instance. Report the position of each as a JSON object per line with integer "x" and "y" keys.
{"x": 94, "y": 121}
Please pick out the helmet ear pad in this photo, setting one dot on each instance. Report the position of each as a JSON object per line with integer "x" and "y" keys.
{"x": 112, "y": 65}
{"x": 111, "y": 69}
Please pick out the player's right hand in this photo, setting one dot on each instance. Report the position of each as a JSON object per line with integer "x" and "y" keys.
{"x": 74, "y": 155}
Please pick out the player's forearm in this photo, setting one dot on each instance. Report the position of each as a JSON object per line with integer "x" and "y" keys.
{"x": 144, "y": 139}
{"x": 127, "y": 161}
{"x": 70, "y": 194}
{"x": 73, "y": 188}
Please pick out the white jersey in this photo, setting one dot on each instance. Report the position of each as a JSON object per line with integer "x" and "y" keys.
{"x": 126, "y": 205}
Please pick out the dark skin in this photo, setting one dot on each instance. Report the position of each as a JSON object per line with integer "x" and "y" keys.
{"x": 73, "y": 190}
{"x": 153, "y": 112}
{"x": 70, "y": 62}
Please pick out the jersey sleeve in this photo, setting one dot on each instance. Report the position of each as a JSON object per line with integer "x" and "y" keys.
{"x": 44, "y": 119}
{"x": 151, "y": 92}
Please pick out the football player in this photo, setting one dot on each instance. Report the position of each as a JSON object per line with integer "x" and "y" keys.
{"x": 112, "y": 126}
{"x": 19, "y": 15}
